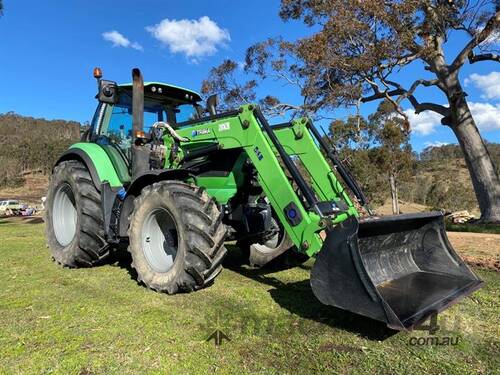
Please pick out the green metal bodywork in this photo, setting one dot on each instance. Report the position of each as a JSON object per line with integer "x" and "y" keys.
{"x": 244, "y": 132}
{"x": 103, "y": 164}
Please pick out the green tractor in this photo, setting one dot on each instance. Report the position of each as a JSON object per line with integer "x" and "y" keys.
{"x": 172, "y": 181}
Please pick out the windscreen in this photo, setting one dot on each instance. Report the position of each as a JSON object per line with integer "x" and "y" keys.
{"x": 117, "y": 123}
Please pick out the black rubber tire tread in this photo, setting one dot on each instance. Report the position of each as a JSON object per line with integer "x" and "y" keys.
{"x": 88, "y": 248}
{"x": 201, "y": 236}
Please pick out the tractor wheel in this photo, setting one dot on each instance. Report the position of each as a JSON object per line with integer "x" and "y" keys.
{"x": 73, "y": 217}
{"x": 176, "y": 237}
{"x": 276, "y": 251}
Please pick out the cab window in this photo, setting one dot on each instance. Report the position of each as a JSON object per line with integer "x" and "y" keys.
{"x": 117, "y": 124}
{"x": 185, "y": 112}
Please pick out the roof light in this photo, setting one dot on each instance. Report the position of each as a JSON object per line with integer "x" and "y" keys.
{"x": 97, "y": 73}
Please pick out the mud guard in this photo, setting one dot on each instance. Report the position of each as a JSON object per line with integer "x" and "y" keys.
{"x": 396, "y": 269}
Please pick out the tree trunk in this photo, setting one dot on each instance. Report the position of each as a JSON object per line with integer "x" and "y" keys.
{"x": 482, "y": 171}
{"x": 394, "y": 195}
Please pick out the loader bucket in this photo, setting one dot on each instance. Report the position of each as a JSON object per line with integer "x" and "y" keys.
{"x": 396, "y": 269}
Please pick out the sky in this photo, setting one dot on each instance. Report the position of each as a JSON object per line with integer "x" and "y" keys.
{"x": 48, "y": 51}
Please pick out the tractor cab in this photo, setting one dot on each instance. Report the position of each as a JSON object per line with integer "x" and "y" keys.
{"x": 162, "y": 102}
{"x": 112, "y": 128}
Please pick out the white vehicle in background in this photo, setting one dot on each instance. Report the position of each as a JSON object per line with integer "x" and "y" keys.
{"x": 9, "y": 207}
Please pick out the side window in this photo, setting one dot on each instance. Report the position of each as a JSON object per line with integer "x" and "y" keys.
{"x": 186, "y": 112}
{"x": 119, "y": 129}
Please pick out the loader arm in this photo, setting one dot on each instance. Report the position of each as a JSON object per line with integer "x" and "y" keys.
{"x": 303, "y": 220}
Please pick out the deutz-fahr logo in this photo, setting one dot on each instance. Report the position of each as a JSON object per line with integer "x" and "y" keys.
{"x": 194, "y": 133}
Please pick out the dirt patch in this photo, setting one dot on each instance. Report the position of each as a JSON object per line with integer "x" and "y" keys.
{"x": 31, "y": 193}
{"x": 478, "y": 249}
{"x": 37, "y": 219}
{"x": 404, "y": 207}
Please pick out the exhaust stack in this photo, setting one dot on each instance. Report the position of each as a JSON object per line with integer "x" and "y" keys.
{"x": 140, "y": 154}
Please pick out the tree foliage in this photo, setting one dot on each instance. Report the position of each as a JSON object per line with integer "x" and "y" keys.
{"x": 223, "y": 81}
{"x": 27, "y": 143}
{"x": 358, "y": 50}
{"x": 377, "y": 150}
{"x": 361, "y": 44}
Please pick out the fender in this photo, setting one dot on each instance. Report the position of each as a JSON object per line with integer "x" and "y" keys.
{"x": 97, "y": 162}
{"x": 156, "y": 175}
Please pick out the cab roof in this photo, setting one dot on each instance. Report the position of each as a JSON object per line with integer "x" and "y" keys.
{"x": 166, "y": 90}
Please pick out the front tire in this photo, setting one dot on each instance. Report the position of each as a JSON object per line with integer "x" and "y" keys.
{"x": 74, "y": 224}
{"x": 176, "y": 237}
{"x": 277, "y": 251}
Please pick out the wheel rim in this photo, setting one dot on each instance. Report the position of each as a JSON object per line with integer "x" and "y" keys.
{"x": 160, "y": 240}
{"x": 276, "y": 240}
{"x": 64, "y": 215}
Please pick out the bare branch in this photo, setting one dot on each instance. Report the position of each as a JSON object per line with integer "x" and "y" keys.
{"x": 381, "y": 95}
{"x": 401, "y": 61}
{"x": 397, "y": 107}
{"x": 441, "y": 109}
{"x": 483, "y": 57}
{"x": 408, "y": 94}
{"x": 281, "y": 108}
{"x": 492, "y": 24}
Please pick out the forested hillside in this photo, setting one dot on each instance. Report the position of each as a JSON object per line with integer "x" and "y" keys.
{"x": 28, "y": 144}
{"x": 437, "y": 177}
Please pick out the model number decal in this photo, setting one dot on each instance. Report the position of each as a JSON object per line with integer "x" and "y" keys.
{"x": 258, "y": 153}
{"x": 224, "y": 126}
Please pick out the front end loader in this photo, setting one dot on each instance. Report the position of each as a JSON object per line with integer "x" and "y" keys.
{"x": 172, "y": 181}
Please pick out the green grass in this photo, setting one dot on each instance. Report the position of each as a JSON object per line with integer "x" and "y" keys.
{"x": 83, "y": 321}
{"x": 475, "y": 228}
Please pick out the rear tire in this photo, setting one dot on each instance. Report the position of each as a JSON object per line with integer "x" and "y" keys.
{"x": 176, "y": 237}
{"x": 74, "y": 224}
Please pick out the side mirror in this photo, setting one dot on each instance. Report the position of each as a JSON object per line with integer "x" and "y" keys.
{"x": 212, "y": 102}
{"x": 108, "y": 92}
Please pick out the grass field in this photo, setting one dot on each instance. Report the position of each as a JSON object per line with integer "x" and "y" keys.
{"x": 86, "y": 321}
{"x": 474, "y": 228}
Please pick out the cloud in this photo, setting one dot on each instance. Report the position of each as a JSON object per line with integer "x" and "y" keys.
{"x": 241, "y": 64}
{"x": 489, "y": 84}
{"x": 423, "y": 123}
{"x": 435, "y": 144}
{"x": 193, "y": 38}
{"x": 486, "y": 116}
{"x": 119, "y": 40}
